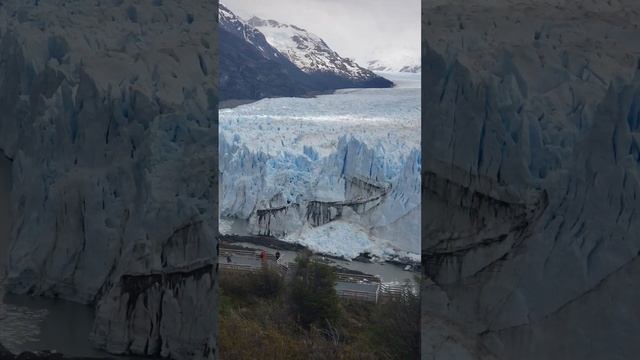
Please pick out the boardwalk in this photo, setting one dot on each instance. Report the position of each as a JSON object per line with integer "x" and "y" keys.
{"x": 358, "y": 287}
{"x": 358, "y": 291}
{"x": 349, "y": 286}
{"x": 246, "y": 260}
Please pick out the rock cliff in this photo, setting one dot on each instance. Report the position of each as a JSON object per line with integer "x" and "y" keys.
{"x": 531, "y": 179}
{"x": 109, "y": 117}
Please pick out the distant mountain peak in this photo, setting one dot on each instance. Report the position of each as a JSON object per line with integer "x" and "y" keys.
{"x": 383, "y": 66}
{"x": 308, "y": 51}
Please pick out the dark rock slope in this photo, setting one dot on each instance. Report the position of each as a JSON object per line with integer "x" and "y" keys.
{"x": 250, "y": 68}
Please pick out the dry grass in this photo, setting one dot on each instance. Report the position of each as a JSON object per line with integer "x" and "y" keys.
{"x": 264, "y": 324}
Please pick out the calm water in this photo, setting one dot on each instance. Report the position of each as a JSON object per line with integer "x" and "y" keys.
{"x": 31, "y": 323}
{"x": 28, "y": 323}
{"x": 386, "y": 271}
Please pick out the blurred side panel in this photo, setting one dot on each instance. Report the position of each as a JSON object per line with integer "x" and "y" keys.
{"x": 108, "y": 113}
{"x": 531, "y": 179}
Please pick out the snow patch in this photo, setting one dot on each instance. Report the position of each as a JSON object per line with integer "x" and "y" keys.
{"x": 338, "y": 238}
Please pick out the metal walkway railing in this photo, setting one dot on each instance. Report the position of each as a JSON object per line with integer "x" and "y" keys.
{"x": 352, "y": 286}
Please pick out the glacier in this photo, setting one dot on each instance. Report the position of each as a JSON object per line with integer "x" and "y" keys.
{"x": 108, "y": 119}
{"x": 340, "y": 168}
{"x": 531, "y": 180}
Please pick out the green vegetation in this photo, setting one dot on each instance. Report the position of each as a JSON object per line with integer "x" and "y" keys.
{"x": 398, "y": 316}
{"x": 267, "y": 283}
{"x": 262, "y": 318}
{"x": 313, "y": 294}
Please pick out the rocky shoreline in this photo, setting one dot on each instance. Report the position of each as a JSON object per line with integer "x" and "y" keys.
{"x": 277, "y": 244}
{"x": 262, "y": 240}
{"x": 233, "y": 103}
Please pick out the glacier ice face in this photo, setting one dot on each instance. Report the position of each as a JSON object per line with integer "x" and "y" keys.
{"x": 152, "y": 313}
{"x": 110, "y": 126}
{"x": 531, "y": 179}
{"x": 338, "y": 238}
{"x": 291, "y": 166}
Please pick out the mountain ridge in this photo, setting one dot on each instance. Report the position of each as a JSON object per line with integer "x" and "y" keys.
{"x": 255, "y": 65}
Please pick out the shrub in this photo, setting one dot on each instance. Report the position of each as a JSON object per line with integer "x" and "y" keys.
{"x": 313, "y": 294}
{"x": 399, "y": 316}
{"x": 266, "y": 283}
{"x": 258, "y": 322}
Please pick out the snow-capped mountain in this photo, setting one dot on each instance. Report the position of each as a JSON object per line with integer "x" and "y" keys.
{"x": 250, "y": 68}
{"x": 253, "y": 65}
{"x": 382, "y": 66}
{"x": 237, "y": 26}
{"x": 313, "y": 56}
{"x": 398, "y": 60}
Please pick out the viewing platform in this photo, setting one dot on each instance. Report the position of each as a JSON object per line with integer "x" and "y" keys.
{"x": 352, "y": 286}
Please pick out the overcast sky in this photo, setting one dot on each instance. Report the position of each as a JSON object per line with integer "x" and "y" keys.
{"x": 360, "y": 29}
